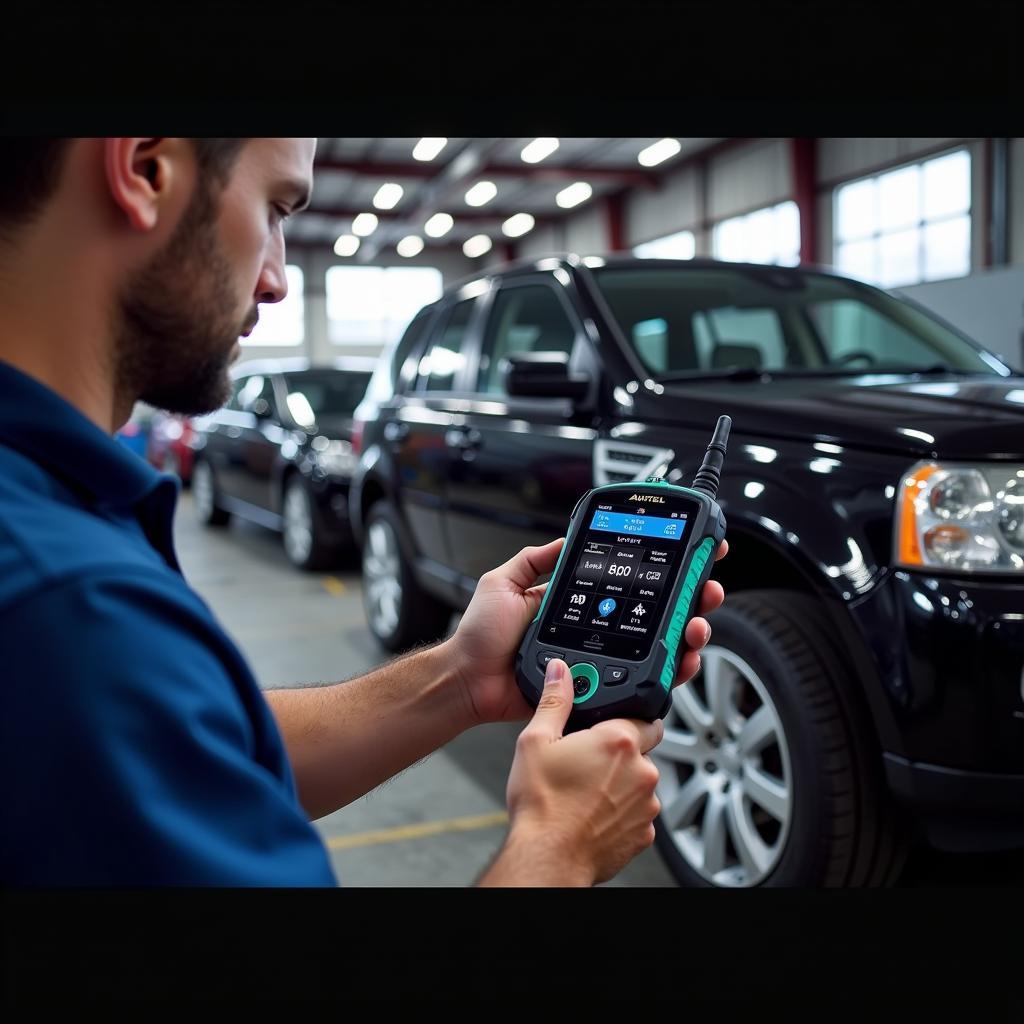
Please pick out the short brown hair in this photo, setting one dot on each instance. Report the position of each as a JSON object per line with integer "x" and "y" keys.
{"x": 30, "y": 169}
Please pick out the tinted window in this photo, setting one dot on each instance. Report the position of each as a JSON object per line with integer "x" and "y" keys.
{"x": 405, "y": 348}
{"x": 441, "y": 365}
{"x": 694, "y": 320}
{"x": 322, "y": 395}
{"x": 529, "y": 318}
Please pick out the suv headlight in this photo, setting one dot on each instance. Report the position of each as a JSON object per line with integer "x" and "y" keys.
{"x": 335, "y": 458}
{"x": 962, "y": 517}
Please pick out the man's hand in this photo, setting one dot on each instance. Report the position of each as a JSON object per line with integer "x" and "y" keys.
{"x": 506, "y": 600}
{"x": 581, "y": 806}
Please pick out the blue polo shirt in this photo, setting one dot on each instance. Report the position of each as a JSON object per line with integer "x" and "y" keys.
{"x": 136, "y": 747}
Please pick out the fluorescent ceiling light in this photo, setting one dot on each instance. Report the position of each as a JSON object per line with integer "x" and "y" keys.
{"x": 438, "y": 225}
{"x": 477, "y": 246}
{"x": 365, "y": 224}
{"x": 411, "y": 245}
{"x": 346, "y": 245}
{"x": 538, "y": 150}
{"x": 387, "y": 196}
{"x": 482, "y": 192}
{"x": 518, "y": 224}
{"x": 573, "y": 195}
{"x": 659, "y": 151}
{"x": 427, "y": 149}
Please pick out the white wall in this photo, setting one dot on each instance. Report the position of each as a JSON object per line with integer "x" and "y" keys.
{"x": 673, "y": 206}
{"x": 749, "y": 177}
{"x": 988, "y": 306}
{"x": 1016, "y": 211}
{"x": 587, "y": 232}
{"x": 315, "y": 345}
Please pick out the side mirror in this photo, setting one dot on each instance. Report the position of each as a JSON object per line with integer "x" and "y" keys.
{"x": 542, "y": 375}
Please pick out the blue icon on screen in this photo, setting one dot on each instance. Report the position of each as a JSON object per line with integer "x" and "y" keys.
{"x": 606, "y": 607}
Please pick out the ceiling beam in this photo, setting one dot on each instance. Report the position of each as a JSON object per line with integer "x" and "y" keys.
{"x": 473, "y": 215}
{"x": 535, "y": 172}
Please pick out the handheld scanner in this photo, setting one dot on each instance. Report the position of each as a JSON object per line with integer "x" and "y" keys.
{"x": 626, "y": 584}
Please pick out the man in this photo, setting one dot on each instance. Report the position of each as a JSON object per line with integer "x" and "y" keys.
{"x": 137, "y": 748}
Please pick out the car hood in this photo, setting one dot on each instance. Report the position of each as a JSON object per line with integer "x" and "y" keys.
{"x": 966, "y": 418}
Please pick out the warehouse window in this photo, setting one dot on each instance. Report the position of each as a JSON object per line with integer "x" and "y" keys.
{"x": 679, "y": 246}
{"x": 372, "y": 305}
{"x": 771, "y": 235}
{"x": 282, "y": 323}
{"x": 908, "y": 225}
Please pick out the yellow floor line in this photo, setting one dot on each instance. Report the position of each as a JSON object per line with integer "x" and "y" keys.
{"x": 427, "y": 828}
{"x": 333, "y": 586}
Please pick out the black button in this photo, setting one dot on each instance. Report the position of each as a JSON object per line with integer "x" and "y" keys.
{"x": 545, "y": 656}
{"x": 614, "y": 674}
{"x": 580, "y": 685}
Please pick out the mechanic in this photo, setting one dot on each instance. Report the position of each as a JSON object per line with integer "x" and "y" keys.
{"x": 137, "y": 747}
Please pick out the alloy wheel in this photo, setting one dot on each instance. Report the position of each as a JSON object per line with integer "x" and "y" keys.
{"x": 382, "y": 578}
{"x": 298, "y": 523}
{"x": 726, "y": 785}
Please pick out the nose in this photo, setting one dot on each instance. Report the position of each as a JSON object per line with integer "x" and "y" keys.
{"x": 272, "y": 285}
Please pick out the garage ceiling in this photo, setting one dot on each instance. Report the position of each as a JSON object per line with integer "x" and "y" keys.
{"x": 349, "y": 172}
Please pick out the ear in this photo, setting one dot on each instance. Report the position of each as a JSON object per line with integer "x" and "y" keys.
{"x": 141, "y": 174}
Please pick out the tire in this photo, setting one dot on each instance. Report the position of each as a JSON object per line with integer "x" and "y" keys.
{"x": 399, "y": 612}
{"x": 783, "y": 784}
{"x": 206, "y": 495}
{"x": 302, "y": 531}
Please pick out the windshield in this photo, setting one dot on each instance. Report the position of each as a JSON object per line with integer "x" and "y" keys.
{"x": 694, "y": 321}
{"x": 324, "y": 394}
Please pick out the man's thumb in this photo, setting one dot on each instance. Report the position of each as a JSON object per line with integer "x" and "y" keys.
{"x": 556, "y": 701}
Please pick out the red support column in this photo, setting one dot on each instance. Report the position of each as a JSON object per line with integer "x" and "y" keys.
{"x": 804, "y": 173}
{"x": 615, "y": 220}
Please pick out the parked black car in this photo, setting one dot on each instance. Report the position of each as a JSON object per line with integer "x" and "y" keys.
{"x": 280, "y": 453}
{"x": 864, "y": 680}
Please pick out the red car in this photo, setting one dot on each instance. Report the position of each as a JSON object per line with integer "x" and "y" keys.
{"x": 170, "y": 445}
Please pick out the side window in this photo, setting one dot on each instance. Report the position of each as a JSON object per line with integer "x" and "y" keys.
{"x": 410, "y": 340}
{"x": 529, "y": 318}
{"x": 440, "y": 366}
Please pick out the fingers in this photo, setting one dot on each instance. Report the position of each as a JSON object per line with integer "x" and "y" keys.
{"x": 723, "y": 550}
{"x": 711, "y": 597}
{"x": 647, "y": 734}
{"x": 524, "y": 568}
{"x": 555, "y": 702}
{"x": 698, "y": 632}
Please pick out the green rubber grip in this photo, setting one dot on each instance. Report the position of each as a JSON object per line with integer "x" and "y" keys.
{"x": 554, "y": 575}
{"x": 675, "y": 628}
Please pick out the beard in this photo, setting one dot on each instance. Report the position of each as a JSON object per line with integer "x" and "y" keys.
{"x": 177, "y": 330}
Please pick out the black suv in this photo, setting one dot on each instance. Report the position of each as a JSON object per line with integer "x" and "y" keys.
{"x": 868, "y": 660}
{"x": 280, "y": 453}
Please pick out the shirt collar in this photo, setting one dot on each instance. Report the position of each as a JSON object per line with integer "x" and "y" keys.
{"x": 39, "y": 423}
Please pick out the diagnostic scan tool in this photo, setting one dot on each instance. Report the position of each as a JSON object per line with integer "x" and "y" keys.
{"x": 626, "y": 584}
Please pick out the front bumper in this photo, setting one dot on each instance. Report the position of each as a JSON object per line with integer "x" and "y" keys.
{"x": 947, "y": 655}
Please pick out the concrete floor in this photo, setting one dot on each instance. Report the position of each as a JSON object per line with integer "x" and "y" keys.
{"x": 440, "y": 822}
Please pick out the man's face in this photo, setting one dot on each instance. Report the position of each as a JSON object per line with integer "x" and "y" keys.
{"x": 182, "y": 314}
